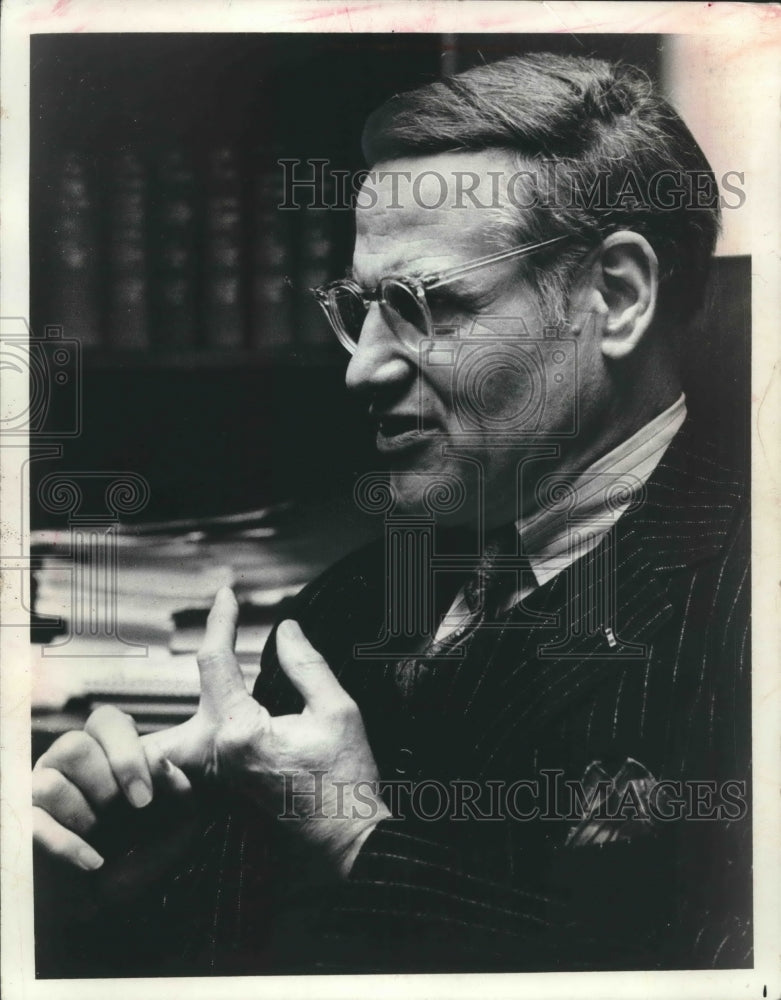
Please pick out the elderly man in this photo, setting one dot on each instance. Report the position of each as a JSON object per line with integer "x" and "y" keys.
{"x": 532, "y": 753}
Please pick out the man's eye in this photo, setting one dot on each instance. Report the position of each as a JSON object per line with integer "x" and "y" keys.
{"x": 447, "y": 303}
{"x": 442, "y": 299}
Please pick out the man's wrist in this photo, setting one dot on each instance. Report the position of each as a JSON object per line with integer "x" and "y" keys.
{"x": 350, "y": 852}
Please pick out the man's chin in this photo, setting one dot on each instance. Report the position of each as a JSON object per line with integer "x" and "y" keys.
{"x": 440, "y": 493}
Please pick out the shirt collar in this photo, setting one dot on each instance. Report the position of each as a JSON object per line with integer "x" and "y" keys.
{"x": 561, "y": 532}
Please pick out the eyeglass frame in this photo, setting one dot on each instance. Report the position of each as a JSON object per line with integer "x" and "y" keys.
{"x": 418, "y": 286}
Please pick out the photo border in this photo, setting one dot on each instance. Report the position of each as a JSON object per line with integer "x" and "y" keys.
{"x": 750, "y": 35}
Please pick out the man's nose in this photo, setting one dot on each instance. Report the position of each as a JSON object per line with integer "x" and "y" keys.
{"x": 380, "y": 361}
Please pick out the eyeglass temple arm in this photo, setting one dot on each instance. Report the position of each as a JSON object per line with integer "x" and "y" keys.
{"x": 456, "y": 272}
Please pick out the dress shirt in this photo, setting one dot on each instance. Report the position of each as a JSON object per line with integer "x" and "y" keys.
{"x": 555, "y": 536}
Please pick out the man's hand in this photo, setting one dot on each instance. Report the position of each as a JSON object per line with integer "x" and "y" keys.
{"x": 83, "y": 772}
{"x": 231, "y": 739}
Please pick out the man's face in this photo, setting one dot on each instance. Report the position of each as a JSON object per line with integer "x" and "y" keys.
{"x": 473, "y": 403}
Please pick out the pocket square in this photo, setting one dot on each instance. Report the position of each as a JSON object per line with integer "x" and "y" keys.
{"x": 615, "y": 809}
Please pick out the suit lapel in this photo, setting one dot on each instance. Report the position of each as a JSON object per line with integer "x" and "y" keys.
{"x": 612, "y": 602}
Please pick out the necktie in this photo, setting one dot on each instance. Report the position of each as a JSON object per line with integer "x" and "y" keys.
{"x": 482, "y": 592}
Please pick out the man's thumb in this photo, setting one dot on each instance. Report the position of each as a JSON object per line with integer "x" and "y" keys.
{"x": 183, "y": 745}
{"x": 221, "y": 677}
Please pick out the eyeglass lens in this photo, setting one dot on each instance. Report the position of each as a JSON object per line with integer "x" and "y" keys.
{"x": 350, "y": 311}
{"x": 402, "y": 305}
{"x": 403, "y": 301}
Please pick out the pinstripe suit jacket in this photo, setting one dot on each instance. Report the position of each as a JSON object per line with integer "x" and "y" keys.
{"x": 507, "y": 895}
{"x": 556, "y": 696}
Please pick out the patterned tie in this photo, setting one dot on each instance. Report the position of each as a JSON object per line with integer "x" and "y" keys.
{"x": 483, "y": 590}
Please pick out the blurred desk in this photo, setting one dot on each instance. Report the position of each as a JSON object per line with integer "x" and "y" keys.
{"x": 157, "y": 593}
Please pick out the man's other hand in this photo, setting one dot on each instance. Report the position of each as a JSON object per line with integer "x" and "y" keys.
{"x": 83, "y": 772}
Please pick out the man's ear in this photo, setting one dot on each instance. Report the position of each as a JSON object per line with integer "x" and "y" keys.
{"x": 625, "y": 289}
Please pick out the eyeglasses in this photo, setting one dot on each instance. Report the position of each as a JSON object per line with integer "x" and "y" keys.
{"x": 408, "y": 313}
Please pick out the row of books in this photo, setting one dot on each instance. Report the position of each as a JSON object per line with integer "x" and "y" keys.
{"x": 173, "y": 249}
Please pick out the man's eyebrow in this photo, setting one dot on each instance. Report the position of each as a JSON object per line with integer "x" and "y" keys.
{"x": 398, "y": 271}
{"x": 349, "y": 273}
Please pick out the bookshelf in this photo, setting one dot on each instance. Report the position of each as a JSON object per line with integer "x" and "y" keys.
{"x": 155, "y": 184}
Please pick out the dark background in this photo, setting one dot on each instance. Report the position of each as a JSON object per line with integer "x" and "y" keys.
{"x": 217, "y": 431}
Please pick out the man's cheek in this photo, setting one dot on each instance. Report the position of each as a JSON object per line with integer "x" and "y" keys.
{"x": 494, "y": 392}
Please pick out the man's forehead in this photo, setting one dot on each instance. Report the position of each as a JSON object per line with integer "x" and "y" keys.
{"x": 422, "y": 209}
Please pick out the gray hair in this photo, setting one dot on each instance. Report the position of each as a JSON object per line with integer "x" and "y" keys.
{"x": 580, "y": 123}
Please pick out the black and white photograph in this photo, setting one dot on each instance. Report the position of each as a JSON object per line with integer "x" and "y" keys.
{"x": 390, "y": 428}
